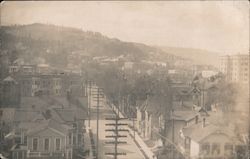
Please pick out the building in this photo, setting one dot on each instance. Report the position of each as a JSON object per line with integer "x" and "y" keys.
{"x": 43, "y": 68}
{"x": 52, "y": 133}
{"x": 180, "y": 119}
{"x": 10, "y": 93}
{"x": 33, "y": 85}
{"x": 22, "y": 69}
{"x": 45, "y": 140}
{"x": 204, "y": 140}
{"x": 235, "y": 68}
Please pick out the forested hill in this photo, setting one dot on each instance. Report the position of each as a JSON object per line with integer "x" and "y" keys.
{"x": 39, "y": 38}
{"x": 54, "y": 44}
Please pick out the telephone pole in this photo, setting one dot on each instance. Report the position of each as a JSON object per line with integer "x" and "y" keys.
{"x": 98, "y": 96}
{"x": 116, "y": 135}
{"x": 173, "y": 148}
{"x": 89, "y": 97}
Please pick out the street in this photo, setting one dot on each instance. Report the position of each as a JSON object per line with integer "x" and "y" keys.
{"x": 130, "y": 148}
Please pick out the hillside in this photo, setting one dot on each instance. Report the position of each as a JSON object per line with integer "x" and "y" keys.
{"x": 39, "y": 38}
{"x": 55, "y": 43}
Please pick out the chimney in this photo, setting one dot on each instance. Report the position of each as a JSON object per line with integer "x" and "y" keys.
{"x": 203, "y": 122}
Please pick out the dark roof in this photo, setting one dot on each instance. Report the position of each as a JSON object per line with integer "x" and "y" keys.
{"x": 27, "y": 115}
{"x": 62, "y": 101}
{"x": 84, "y": 102}
{"x": 37, "y": 102}
{"x": 70, "y": 114}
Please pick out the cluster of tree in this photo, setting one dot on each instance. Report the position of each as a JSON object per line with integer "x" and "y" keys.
{"x": 128, "y": 88}
{"x": 217, "y": 91}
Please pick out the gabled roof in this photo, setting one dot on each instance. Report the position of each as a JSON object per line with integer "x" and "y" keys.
{"x": 203, "y": 112}
{"x": 10, "y": 79}
{"x": 28, "y": 125}
{"x": 52, "y": 124}
{"x": 198, "y": 133}
{"x": 27, "y": 115}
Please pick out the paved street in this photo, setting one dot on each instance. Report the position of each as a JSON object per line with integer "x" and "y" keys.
{"x": 131, "y": 150}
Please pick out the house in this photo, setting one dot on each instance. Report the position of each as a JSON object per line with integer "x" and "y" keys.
{"x": 29, "y": 84}
{"x": 57, "y": 133}
{"x": 178, "y": 120}
{"x": 204, "y": 140}
{"x": 48, "y": 139}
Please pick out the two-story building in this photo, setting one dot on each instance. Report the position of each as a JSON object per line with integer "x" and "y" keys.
{"x": 47, "y": 139}
{"x": 9, "y": 93}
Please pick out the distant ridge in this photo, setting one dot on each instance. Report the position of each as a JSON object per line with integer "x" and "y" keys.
{"x": 36, "y": 39}
{"x": 198, "y": 56}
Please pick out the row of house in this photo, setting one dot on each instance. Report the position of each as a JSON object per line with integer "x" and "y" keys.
{"x": 45, "y": 130}
{"x": 12, "y": 88}
{"x": 187, "y": 125}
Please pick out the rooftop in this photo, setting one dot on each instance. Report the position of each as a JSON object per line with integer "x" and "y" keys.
{"x": 198, "y": 133}
{"x": 9, "y": 79}
{"x": 184, "y": 115}
{"x": 62, "y": 128}
{"x": 27, "y": 115}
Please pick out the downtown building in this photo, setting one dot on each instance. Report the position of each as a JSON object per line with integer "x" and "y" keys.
{"x": 235, "y": 68}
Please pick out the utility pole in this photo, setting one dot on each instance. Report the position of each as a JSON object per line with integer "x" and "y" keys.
{"x": 98, "y": 97}
{"x": 89, "y": 103}
{"x": 116, "y": 135}
{"x": 173, "y": 148}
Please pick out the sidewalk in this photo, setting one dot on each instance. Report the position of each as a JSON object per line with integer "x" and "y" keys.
{"x": 138, "y": 140}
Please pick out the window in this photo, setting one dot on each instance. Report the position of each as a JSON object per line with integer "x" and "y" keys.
{"x": 70, "y": 138}
{"x": 69, "y": 155}
{"x": 205, "y": 149}
{"x": 35, "y": 144}
{"x": 228, "y": 149}
{"x": 58, "y": 144}
{"x": 215, "y": 149}
{"x": 25, "y": 140}
{"x": 187, "y": 143}
{"x": 46, "y": 144}
{"x": 74, "y": 140}
{"x": 15, "y": 155}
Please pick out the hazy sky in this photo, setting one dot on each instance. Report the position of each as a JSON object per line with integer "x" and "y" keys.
{"x": 221, "y": 26}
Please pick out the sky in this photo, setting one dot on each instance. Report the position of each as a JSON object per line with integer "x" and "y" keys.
{"x": 220, "y": 26}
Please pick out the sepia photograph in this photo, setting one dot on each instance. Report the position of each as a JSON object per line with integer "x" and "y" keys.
{"x": 124, "y": 79}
